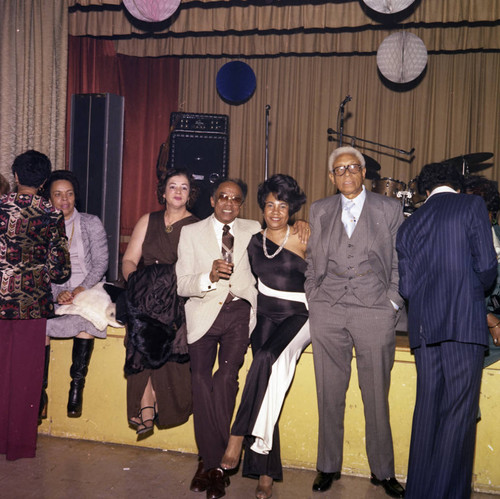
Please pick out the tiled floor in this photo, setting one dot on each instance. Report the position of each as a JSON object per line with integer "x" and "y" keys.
{"x": 75, "y": 469}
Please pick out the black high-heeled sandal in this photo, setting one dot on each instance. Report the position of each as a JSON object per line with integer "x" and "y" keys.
{"x": 143, "y": 429}
{"x": 133, "y": 424}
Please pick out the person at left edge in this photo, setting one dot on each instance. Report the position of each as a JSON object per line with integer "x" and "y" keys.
{"x": 4, "y": 185}
{"x": 33, "y": 253}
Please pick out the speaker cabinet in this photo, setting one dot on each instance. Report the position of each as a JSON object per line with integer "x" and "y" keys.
{"x": 200, "y": 144}
{"x": 95, "y": 157}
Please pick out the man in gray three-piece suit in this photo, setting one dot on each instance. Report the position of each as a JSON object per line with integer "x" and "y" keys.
{"x": 352, "y": 290}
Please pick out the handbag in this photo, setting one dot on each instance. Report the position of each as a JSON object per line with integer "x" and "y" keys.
{"x": 495, "y": 304}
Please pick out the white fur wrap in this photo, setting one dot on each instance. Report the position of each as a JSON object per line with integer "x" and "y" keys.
{"x": 95, "y": 305}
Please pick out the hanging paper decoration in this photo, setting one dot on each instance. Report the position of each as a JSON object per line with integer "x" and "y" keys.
{"x": 402, "y": 57}
{"x": 388, "y": 6}
{"x": 152, "y": 11}
{"x": 236, "y": 82}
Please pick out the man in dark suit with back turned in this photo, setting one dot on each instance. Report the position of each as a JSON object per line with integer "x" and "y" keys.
{"x": 352, "y": 290}
{"x": 446, "y": 263}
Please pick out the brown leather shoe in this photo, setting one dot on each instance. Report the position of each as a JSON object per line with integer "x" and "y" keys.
{"x": 217, "y": 483}
{"x": 199, "y": 483}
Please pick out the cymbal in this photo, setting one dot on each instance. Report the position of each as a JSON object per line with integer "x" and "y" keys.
{"x": 477, "y": 157}
{"x": 478, "y": 168}
{"x": 371, "y": 164}
{"x": 372, "y": 175}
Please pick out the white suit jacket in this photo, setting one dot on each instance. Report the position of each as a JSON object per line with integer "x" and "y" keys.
{"x": 198, "y": 248}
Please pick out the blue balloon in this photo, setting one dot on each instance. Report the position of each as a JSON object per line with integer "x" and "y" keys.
{"x": 236, "y": 82}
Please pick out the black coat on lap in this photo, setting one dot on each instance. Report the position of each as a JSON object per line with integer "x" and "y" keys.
{"x": 154, "y": 315}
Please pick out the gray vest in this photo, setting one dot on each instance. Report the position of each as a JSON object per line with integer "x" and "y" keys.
{"x": 349, "y": 270}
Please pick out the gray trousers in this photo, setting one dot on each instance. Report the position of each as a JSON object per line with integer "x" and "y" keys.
{"x": 335, "y": 330}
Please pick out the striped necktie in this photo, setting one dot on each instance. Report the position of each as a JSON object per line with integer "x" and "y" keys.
{"x": 227, "y": 244}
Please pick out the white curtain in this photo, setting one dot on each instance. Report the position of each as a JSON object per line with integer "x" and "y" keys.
{"x": 33, "y": 76}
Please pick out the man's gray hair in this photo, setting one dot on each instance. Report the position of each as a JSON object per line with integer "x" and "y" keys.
{"x": 345, "y": 150}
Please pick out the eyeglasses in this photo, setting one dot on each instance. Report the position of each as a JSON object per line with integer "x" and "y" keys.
{"x": 340, "y": 170}
{"x": 224, "y": 198}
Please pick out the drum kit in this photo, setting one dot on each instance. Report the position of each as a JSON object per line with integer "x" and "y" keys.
{"x": 409, "y": 195}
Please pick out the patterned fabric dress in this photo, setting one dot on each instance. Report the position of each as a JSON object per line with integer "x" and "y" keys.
{"x": 281, "y": 334}
{"x": 33, "y": 252}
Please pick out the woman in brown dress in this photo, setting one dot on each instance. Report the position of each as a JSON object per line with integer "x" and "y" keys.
{"x": 157, "y": 367}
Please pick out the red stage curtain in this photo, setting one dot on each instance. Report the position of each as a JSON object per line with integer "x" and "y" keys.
{"x": 150, "y": 87}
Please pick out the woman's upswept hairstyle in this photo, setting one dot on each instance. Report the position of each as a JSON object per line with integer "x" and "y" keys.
{"x": 173, "y": 172}
{"x": 284, "y": 188}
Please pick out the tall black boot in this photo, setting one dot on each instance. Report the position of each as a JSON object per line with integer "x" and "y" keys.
{"x": 44, "y": 400}
{"x": 82, "y": 351}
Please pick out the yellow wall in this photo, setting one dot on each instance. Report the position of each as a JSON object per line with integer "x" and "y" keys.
{"x": 104, "y": 412}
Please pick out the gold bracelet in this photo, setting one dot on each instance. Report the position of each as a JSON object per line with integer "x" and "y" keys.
{"x": 493, "y": 327}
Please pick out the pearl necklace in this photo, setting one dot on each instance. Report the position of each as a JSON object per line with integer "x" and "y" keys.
{"x": 281, "y": 246}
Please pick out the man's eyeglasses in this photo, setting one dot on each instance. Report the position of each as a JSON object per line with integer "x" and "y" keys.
{"x": 340, "y": 170}
{"x": 224, "y": 198}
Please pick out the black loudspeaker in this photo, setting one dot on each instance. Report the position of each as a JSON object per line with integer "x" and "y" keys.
{"x": 200, "y": 144}
{"x": 95, "y": 157}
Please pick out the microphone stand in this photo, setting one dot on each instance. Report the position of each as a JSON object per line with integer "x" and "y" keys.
{"x": 341, "y": 133}
{"x": 400, "y": 151}
{"x": 266, "y": 160}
